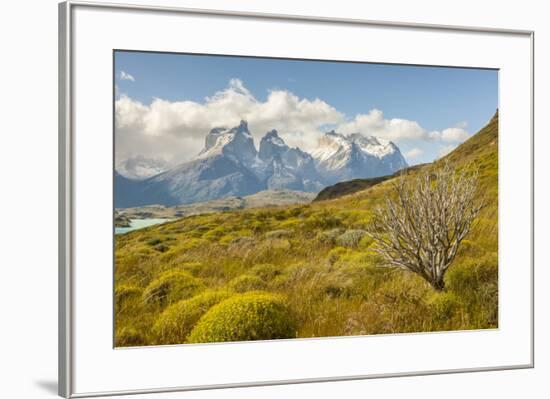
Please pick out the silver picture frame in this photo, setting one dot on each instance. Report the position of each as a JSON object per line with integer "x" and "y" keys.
{"x": 66, "y": 186}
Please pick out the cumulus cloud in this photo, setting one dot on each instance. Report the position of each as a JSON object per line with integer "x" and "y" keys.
{"x": 445, "y": 149}
{"x": 374, "y": 124}
{"x": 398, "y": 130}
{"x": 414, "y": 153}
{"x": 141, "y": 128}
{"x": 126, "y": 76}
{"x": 175, "y": 130}
{"x": 454, "y": 134}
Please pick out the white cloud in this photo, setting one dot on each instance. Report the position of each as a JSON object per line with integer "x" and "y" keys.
{"x": 143, "y": 129}
{"x": 414, "y": 153}
{"x": 126, "y": 76}
{"x": 175, "y": 130}
{"x": 374, "y": 124}
{"x": 445, "y": 149}
{"x": 454, "y": 134}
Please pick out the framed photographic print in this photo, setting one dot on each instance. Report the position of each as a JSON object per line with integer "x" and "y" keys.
{"x": 252, "y": 199}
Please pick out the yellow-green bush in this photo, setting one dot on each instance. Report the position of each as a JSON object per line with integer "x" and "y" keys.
{"x": 129, "y": 336}
{"x": 330, "y": 288}
{"x": 323, "y": 219}
{"x": 366, "y": 242}
{"x": 444, "y": 305}
{"x": 245, "y": 282}
{"x": 171, "y": 286}
{"x": 337, "y": 253}
{"x": 176, "y": 322}
{"x": 329, "y": 236}
{"x": 245, "y": 317}
{"x": 266, "y": 271}
{"x": 126, "y": 296}
{"x": 193, "y": 268}
{"x": 350, "y": 238}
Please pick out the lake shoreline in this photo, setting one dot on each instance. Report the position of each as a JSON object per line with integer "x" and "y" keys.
{"x": 137, "y": 224}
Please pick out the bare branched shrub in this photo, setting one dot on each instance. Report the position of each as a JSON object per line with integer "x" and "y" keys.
{"x": 422, "y": 228}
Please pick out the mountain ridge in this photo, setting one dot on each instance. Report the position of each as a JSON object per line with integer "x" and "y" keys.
{"x": 230, "y": 165}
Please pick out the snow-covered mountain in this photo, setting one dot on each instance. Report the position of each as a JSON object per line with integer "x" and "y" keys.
{"x": 341, "y": 157}
{"x": 287, "y": 168}
{"x": 235, "y": 144}
{"x": 229, "y": 165}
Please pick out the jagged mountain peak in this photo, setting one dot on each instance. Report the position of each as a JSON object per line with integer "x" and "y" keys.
{"x": 271, "y": 145}
{"x": 374, "y": 145}
{"x": 236, "y": 141}
{"x": 273, "y": 137}
{"x": 242, "y": 127}
{"x": 341, "y": 157}
{"x": 230, "y": 165}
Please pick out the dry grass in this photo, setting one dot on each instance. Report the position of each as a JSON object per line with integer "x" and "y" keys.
{"x": 316, "y": 260}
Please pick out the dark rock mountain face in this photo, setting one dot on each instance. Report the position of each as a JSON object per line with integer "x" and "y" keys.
{"x": 287, "y": 168}
{"x": 229, "y": 165}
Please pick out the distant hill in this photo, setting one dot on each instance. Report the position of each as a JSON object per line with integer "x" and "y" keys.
{"x": 352, "y": 186}
{"x": 267, "y": 198}
{"x": 348, "y": 187}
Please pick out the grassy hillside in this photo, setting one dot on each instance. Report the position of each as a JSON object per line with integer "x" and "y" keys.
{"x": 301, "y": 271}
{"x": 352, "y": 186}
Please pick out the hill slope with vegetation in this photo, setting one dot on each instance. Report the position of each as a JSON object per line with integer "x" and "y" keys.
{"x": 352, "y": 186}
{"x": 302, "y": 271}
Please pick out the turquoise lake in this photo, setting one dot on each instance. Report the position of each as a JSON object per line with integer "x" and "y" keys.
{"x": 136, "y": 224}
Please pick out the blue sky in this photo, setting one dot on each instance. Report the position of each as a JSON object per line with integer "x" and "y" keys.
{"x": 435, "y": 98}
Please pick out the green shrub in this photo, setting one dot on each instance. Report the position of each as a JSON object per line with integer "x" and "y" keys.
{"x": 171, "y": 286}
{"x": 350, "y": 238}
{"x": 245, "y": 317}
{"x": 246, "y": 283}
{"x": 176, "y": 322}
{"x": 128, "y": 336}
{"x": 265, "y": 271}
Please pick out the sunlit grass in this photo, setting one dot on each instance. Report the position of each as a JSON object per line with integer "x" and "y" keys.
{"x": 314, "y": 260}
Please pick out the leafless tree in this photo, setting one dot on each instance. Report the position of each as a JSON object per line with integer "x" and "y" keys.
{"x": 420, "y": 229}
